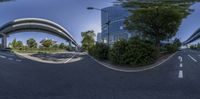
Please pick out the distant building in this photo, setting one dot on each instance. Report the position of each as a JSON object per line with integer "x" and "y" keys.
{"x": 117, "y": 16}
{"x": 99, "y": 39}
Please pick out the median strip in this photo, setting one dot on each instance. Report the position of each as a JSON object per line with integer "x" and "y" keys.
{"x": 192, "y": 58}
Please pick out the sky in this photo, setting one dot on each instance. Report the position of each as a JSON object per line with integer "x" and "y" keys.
{"x": 73, "y": 16}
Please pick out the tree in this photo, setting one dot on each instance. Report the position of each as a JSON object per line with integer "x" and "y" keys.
{"x": 19, "y": 44}
{"x": 47, "y": 43}
{"x": 14, "y": 43}
{"x": 31, "y": 43}
{"x": 62, "y": 46}
{"x": 177, "y": 42}
{"x": 157, "y": 19}
{"x": 158, "y": 23}
{"x": 88, "y": 39}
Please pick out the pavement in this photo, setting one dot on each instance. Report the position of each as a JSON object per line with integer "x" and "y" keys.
{"x": 177, "y": 78}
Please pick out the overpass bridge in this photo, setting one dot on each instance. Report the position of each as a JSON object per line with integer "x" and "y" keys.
{"x": 35, "y": 24}
{"x": 195, "y": 36}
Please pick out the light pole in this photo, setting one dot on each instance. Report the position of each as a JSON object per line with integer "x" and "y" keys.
{"x": 107, "y": 23}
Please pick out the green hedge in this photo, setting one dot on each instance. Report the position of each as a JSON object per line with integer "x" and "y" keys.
{"x": 118, "y": 51}
{"x": 100, "y": 51}
{"x": 133, "y": 52}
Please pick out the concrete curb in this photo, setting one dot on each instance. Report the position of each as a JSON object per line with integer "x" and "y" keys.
{"x": 123, "y": 69}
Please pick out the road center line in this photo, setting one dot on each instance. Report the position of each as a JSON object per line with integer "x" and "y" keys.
{"x": 180, "y": 58}
{"x": 180, "y": 74}
{"x": 181, "y": 65}
{"x": 192, "y": 58}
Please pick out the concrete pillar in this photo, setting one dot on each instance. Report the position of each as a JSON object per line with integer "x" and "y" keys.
{"x": 70, "y": 44}
{"x": 4, "y": 41}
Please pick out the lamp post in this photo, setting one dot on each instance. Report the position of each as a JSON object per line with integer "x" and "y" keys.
{"x": 107, "y": 23}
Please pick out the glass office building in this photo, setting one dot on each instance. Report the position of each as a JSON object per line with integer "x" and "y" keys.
{"x": 116, "y": 15}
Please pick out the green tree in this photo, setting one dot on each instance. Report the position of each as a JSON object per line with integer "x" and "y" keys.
{"x": 14, "y": 43}
{"x": 19, "y": 44}
{"x": 177, "y": 43}
{"x": 156, "y": 19}
{"x": 62, "y": 46}
{"x": 88, "y": 39}
{"x": 155, "y": 23}
{"x": 31, "y": 43}
{"x": 47, "y": 43}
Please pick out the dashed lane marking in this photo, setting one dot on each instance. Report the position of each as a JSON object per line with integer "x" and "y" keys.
{"x": 180, "y": 74}
{"x": 2, "y": 56}
{"x": 181, "y": 65}
{"x": 18, "y": 60}
{"x": 180, "y": 58}
{"x": 192, "y": 58}
{"x": 10, "y": 58}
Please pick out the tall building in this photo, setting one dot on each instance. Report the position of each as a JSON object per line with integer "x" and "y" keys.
{"x": 99, "y": 39}
{"x": 116, "y": 14}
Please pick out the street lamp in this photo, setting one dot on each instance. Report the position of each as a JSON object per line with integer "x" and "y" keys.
{"x": 108, "y": 20}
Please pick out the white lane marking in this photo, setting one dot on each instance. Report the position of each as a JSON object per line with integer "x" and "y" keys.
{"x": 2, "y": 56}
{"x": 180, "y": 74}
{"x": 18, "y": 60}
{"x": 192, "y": 58}
{"x": 180, "y": 58}
{"x": 70, "y": 58}
{"x": 181, "y": 65}
{"x": 10, "y": 58}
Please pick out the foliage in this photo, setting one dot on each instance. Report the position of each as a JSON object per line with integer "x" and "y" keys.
{"x": 88, "y": 40}
{"x": 47, "y": 43}
{"x": 62, "y": 46}
{"x": 118, "y": 51}
{"x": 100, "y": 51}
{"x": 158, "y": 24}
{"x": 31, "y": 43}
{"x": 133, "y": 52}
{"x": 171, "y": 48}
{"x": 16, "y": 44}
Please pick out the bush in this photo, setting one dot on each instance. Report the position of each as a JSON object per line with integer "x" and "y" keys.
{"x": 100, "y": 51}
{"x": 140, "y": 52}
{"x": 133, "y": 52}
{"x": 118, "y": 51}
{"x": 171, "y": 48}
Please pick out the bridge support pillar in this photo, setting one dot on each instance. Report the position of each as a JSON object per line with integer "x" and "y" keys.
{"x": 4, "y": 41}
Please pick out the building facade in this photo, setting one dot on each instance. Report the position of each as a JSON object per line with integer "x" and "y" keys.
{"x": 116, "y": 15}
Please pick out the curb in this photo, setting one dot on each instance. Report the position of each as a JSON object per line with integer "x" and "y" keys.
{"x": 121, "y": 69}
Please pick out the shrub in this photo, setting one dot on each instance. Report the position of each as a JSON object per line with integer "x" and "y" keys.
{"x": 140, "y": 52}
{"x": 133, "y": 52}
{"x": 100, "y": 51}
{"x": 171, "y": 48}
{"x": 118, "y": 51}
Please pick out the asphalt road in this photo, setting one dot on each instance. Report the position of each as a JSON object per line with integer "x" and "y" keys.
{"x": 177, "y": 78}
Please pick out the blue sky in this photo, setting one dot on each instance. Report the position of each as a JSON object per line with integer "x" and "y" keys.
{"x": 72, "y": 15}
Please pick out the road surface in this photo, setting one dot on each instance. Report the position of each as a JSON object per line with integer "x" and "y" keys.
{"x": 177, "y": 78}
